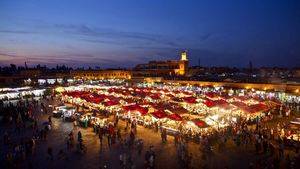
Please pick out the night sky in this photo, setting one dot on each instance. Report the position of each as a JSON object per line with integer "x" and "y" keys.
{"x": 126, "y": 32}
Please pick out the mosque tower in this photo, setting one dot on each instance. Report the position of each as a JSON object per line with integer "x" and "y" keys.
{"x": 183, "y": 63}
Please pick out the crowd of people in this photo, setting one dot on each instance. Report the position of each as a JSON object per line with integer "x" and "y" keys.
{"x": 266, "y": 140}
{"x": 17, "y": 119}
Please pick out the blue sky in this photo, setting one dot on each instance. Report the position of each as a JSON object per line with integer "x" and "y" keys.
{"x": 122, "y": 33}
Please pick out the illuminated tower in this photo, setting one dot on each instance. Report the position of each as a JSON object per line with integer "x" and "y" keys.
{"x": 183, "y": 63}
{"x": 184, "y": 55}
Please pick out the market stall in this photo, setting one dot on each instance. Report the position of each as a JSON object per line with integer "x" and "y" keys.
{"x": 174, "y": 107}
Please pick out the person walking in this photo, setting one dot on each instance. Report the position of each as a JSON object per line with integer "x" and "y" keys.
{"x": 50, "y": 153}
{"x": 108, "y": 140}
{"x": 162, "y": 137}
{"x": 75, "y": 124}
{"x": 281, "y": 150}
{"x": 119, "y": 135}
{"x": 100, "y": 137}
{"x": 50, "y": 120}
{"x": 79, "y": 136}
{"x": 140, "y": 146}
{"x": 151, "y": 158}
{"x": 132, "y": 137}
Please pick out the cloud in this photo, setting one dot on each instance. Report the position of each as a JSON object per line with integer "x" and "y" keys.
{"x": 17, "y": 32}
{"x": 63, "y": 58}
{"x": 96, "y": 32}
{"x": 8, "y": 54}
{"x": 103, "y": 41}
{"x": 206, "y": 36}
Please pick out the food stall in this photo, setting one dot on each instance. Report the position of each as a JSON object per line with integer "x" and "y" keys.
{"x": 172, "y": 106}
{"x": 172, "y": 123}
{"x": 135, "y": 112}
{"x": 90, "y": 119}
{"x": 66, "y": 112}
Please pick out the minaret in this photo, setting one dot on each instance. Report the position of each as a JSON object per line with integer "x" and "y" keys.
{"x": 183, "y": 63}
{"x": 184, "y": 56}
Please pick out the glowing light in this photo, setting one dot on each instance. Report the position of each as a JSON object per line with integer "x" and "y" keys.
{"x": 59, "y": 89}
{"x": 184, "y": 56}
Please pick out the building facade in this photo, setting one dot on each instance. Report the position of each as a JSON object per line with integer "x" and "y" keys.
{"x": 101, "y": 74}
{"x": 163, "y": 68}
{"x": 30, "y": 73}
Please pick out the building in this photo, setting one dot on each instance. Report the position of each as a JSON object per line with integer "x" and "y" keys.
{"x": 30, "y": 73}
{"x": 10, "y": 81}
{"x": 101, "y": 74}
{"x": 163, "y": 68}
{"x": 296, "y": 72}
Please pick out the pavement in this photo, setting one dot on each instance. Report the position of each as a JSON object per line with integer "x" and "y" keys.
{"x": 104, "y": 157}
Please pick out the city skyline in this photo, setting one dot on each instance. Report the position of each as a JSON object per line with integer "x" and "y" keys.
{"x": 120, "y": 34}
